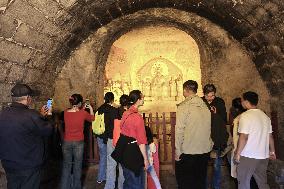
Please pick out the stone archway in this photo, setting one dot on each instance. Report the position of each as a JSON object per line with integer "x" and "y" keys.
{"x": 38, "y": 37}
{"x": 223, "y": 60}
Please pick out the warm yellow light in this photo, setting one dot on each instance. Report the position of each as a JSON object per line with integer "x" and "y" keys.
{"x": 155, "y": 60}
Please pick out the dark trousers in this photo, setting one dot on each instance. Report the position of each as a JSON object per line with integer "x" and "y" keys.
{"x": 191, "y": 171}
{"x": 132, "y": 181}
{"x": 23, "y": 179}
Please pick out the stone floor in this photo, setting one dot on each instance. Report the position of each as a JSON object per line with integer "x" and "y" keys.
{"x": 51, "y": 175}
{"x": 167, "y": 179}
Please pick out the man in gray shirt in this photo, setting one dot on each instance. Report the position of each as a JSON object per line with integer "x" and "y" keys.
{"x": 192, "y": 139}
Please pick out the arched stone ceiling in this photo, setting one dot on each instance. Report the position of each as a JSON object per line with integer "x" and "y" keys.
{"x": 53, "y": 28}
{"x": 36, "y": 36}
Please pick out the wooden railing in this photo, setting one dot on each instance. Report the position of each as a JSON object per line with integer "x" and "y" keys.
{"x": 163, "y": 129}
{"x": 91, "y": 152}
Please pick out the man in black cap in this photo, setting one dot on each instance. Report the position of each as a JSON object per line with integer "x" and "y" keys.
{"x": 22, "y": 133}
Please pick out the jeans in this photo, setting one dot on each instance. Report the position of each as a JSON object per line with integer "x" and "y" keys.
{"x": 103, "y": 159}
{"x": 72, "y": 149}
{"x": 191, "y": 171}
{"x": 24, "y": 179}
{"x": 111, "y": 169}
{"x": 217, "y": 171}
{"x": 152, "y": 172}
{"x": 133, "y": 182}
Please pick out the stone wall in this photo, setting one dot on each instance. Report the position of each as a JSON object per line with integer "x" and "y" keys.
{"x": 36, "y": 37}
{"x": 275, "y": 174}
{"x": 224, "y": 62}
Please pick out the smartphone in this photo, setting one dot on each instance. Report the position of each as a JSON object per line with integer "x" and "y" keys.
{"x": 49, "y": 105}
{"x": 87, "y": 102}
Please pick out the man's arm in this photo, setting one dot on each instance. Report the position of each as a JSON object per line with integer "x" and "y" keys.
{"x": 43, "y": 122}
{"x": 179, "y": 132}
{"x": 243, "y": 138}
{"x": 272, "y": 154}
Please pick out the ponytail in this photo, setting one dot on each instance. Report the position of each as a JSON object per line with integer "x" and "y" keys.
{"x": 75, "y": 99}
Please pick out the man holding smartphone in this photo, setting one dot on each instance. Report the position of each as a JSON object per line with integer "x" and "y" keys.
{"x": 22, "y": 132}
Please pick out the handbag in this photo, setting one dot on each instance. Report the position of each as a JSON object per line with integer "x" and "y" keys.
{"x": 128, "y": 154}
{"x": 133, "y": 158}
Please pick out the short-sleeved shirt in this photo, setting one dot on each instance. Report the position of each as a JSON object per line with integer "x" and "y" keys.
{"x": 257, "y": 125}
{"x": 74, "y": 124}
{"x": 132, "y": 125}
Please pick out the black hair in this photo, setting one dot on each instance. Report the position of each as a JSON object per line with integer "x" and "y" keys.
{"x": 190, "y": 85}
{"x": 75, "y": 99}
{"x": 124, "y": 100}
{"x": 237, "y": 105}
{"x": 208, "y": 88}
{"x": 109, "y": 97}
{"x": 134, "y": 96}
{"x": 252, "y": 97}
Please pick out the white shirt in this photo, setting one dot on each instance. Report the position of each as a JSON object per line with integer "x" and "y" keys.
{"x": 257, "y": 125}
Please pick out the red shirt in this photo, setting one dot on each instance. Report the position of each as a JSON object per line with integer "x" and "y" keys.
{"x": 74, "y": 124}
{"x": 133, "y": 125}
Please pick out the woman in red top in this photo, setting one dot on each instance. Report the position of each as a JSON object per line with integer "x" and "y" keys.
{"x": 133, "y": 126}
{"x": 73, "y": 145}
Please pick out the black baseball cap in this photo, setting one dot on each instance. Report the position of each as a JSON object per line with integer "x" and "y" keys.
{"x": 23, "y": 90}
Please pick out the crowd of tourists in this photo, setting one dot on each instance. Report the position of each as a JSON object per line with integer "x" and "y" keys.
{"x": 126, "y": 144}
{"x": 201, "y": 134}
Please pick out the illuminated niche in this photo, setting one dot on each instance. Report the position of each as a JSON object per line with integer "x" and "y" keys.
{"x": 155, "y": 60}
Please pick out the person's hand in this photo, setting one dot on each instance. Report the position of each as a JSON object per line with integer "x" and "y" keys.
{"x": 230, "y": 140}
{"x": 91, "y": 109}
{"x": 44, "y": 110}
{"x": 237, "y": 158}
{"x": 213, "y": 109}
{"x": 272, "y": 155}
{"x": 177, "y": 157}
{"x": 146, "y": 164}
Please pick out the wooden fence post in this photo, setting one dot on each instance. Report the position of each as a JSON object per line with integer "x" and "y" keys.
{"x": 158, "y": 131}
{"x": 173, "y": 124}
{"x": 158, "y": 126}
{"x": 151, "y": 121}
{"x": 165, "y": 137}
